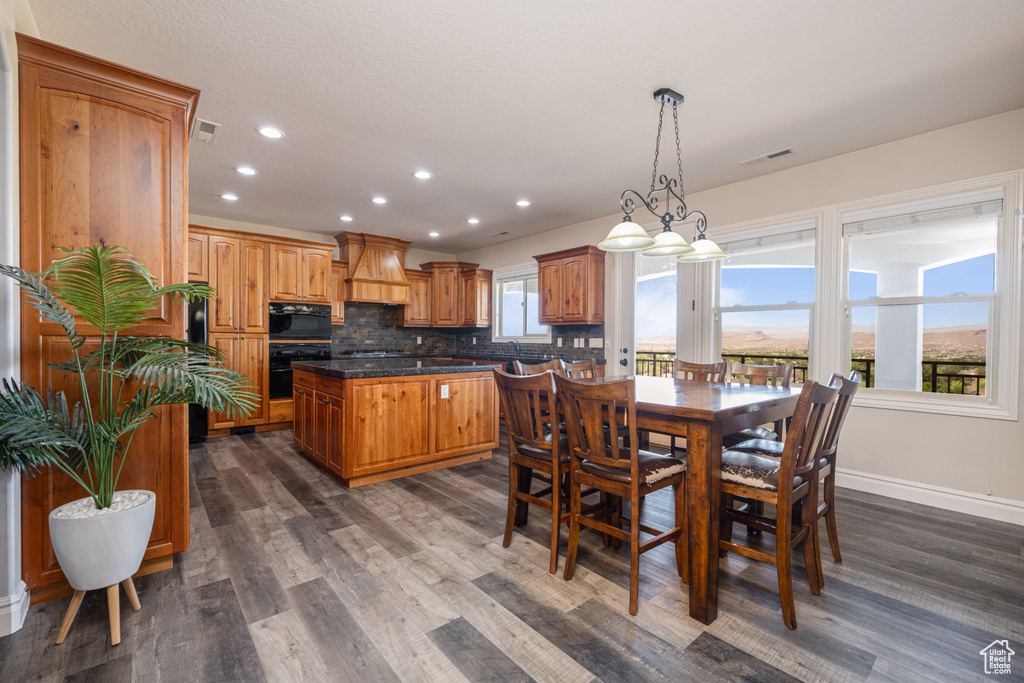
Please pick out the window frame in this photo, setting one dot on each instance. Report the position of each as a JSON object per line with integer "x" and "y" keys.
{"x": 521, "y": 272}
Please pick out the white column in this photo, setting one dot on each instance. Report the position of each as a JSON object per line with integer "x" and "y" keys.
{"x": 898, "y": 329}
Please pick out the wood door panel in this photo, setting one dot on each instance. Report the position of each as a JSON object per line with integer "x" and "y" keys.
{"x": 197, "y": 258}
{"x": 316, "y": 268}
{"x": 417, "y": 313}
{"x": 574, "y": 282}
{"x": 445, "y": 303}
{"x": 339, "y": 271}
{"x": 285, "y": 273}
{"x": 254, "y": 295}
{"x": 375, "y": 411}
{"x": 549, "y": 285}
{"x": 145, "y": 469}
{"x": 225, "y": 279}
{"x": 334, "y": 429}
{"x": 253, "y": 358}
{"x": 228, "y": 344}
{"x": 469, "y": 414}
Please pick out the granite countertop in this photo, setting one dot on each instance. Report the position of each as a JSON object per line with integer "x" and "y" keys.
{"x": 359, "y": 368}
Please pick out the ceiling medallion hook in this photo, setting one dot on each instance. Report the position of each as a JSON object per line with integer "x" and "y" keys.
{"x": 666, "y": 201}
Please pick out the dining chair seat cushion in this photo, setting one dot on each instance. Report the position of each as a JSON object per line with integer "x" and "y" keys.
{"x": 651, "y": 466}
{"x": 543, "y": 453}
{"x": 730, "y": 440}
{"x": 756, "y": 471}
{"x": 765, "y": 447}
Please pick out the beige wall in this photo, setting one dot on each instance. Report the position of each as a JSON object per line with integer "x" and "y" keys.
{"x": 965, "y": 454}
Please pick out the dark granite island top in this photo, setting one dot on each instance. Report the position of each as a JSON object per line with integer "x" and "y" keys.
{"x": 360, "y": 368}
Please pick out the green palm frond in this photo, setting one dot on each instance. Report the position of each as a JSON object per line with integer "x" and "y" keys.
{"x": 35, "y": 431}
{"x": 42, "y": 299}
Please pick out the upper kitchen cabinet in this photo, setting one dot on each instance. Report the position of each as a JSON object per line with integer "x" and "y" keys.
{"x": 475, "y": 299}
{"x": 444, "y": 293}
{"x": 339, "y": 271}
{"x": 417, "y": 313}
{"x": 197, "y": 258}
{"x": 299, "y": 273}
{"x": 238, "y": 270}
{"x": 571, "y": 284}
{"x": 103, "y": 160}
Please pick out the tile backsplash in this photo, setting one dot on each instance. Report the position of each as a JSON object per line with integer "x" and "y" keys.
{"x": 372, "y": 326}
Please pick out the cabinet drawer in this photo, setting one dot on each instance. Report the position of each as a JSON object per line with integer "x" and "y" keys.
{"x": 281, "y": 410}
{"x": 329, "y": 385}
{"x": 303, "y": 378}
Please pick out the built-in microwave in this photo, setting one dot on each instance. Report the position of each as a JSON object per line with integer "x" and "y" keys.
{"x": 309, "y": 322}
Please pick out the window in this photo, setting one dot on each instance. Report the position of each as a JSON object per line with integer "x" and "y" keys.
{"x": 518, "y": 308}
{"x": 766, "y": 297}
{"x": 921, "y": 293}
{"x": 657, "y": 290}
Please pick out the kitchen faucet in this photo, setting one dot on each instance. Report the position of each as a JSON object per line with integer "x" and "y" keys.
{"x": 515, "y": 347}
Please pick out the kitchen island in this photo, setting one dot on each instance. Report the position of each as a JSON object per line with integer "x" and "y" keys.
{"x": 370, "y": 420}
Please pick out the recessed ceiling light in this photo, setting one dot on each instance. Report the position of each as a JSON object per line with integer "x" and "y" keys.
{"x": 246, "y": 170}
{"x": 423, "y": 175}
{"x": 473, "y": 221}
{"x": 346, "y": 218}
{"x": 435, "y": 234}
{"x": 523, "y": 202}
{"x": 227, "y": 196}
{"x": 379, "y": 200}
{"x": 270, "y": 132}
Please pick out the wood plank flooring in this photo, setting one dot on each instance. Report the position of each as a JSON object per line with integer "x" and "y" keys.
{"x": 292, "y": 578}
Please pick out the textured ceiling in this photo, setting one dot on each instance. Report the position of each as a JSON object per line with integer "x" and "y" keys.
{"x": 539, "y": 99}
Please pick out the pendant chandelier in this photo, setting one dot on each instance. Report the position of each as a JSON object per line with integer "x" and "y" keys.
{"x": 629, "y": 236}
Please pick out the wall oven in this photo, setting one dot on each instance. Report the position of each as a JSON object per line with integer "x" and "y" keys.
{"x": 300, "y": 321}
{"x": 281, "y": 357}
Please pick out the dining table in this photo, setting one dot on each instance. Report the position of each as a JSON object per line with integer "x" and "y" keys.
{"x": 703, "y": 412}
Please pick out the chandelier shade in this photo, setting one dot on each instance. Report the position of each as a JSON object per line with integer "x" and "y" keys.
{"x": 668, "y": 243}
{"x": 703, "y": 250}
{"x": 626, "y": 236}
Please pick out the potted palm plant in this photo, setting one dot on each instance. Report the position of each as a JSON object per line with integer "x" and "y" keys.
{"x": 100, "y": 540}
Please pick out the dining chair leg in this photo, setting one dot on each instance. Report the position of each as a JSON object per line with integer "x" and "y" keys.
{"x": 617, "y": 520}
{"x": 69, "y": 616}
{"x": 784, "y": 565}
{"x": 810, "y": 543}
{"x": 830, "y": 515}
{"x": 574, "y": 529}
{"x": 556, "y": 515}
{"x": 513, "y": 486}
{"x": 634, "y": 554}
{"x": 682, "y": 549}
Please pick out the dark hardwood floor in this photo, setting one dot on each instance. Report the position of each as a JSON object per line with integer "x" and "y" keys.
{"x": 292, "y": 578}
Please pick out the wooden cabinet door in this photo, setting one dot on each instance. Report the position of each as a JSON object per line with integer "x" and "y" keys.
{"x": 445, "y": 297}
{"x": 333, "y": 427}
{"x": 321, "y": 401}
{"x": 483, "y": 301}
{"x": 285, "y": 273}
{"x": 228, "y": 345}
{"x": 253, "y": 352}
{"x": 417, "y": 313}
{"x": 339, "y": 271}
{"x": 309, "y": 427}
{"x": 197, "y": 258}
{"x": 574, "y": 289}
{"x": 316, "y": 276}
{"x": 549, "y": 285}
{"x": 299, "y": 413}
{"x": 253, "y": 296}
{"x": 469, "y": 413}
{"x": 467, "y": 299}
{"x": 224, "y": 277}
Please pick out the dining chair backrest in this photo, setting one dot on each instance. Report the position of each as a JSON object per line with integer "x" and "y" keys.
{"x": 847, "y": 390}
{"x": 770, "y": 375}
{"x": 524, "y": 398}
{"x": 701, "y": 372}
{"x": 554, "y": 365}
{"x": 593, "y": 411}
{"x": 806, "y": 434}
{"x": 581, "y": 369}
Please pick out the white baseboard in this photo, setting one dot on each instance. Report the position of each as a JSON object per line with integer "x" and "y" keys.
{"x": 1001, "y": 509}
{"x": 13, "y": 609}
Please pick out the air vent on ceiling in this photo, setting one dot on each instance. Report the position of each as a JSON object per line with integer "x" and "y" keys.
{"x": 205, "y": 131}
{"x": 766, "y": 157}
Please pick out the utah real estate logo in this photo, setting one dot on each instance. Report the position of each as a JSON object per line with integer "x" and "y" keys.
{"x": 997, "y": 657}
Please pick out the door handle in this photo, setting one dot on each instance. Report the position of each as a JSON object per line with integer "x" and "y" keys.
{"x": 623, "y": 362}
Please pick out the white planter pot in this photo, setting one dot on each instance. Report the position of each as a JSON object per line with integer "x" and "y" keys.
{"x": 96, "y": 552}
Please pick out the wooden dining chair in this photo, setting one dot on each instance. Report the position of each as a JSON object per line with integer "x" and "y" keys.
{"x": 622, "y": 472}
{"x": 827, "y": 463}
{"x": 521, "y": 368}
{"x": 785, "y": 483}
{"x": 531, "y": 446}
{"x": 760, "y": 375}
{"x": 581, "y": 369}
{"x": 700, "y": 372}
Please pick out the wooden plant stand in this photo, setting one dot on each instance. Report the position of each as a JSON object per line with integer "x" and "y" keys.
{"x": 113, "y": 609}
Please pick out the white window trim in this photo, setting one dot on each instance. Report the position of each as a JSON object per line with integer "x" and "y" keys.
{"x": 1002, "y": 380}
{"x": 521, "y": 270}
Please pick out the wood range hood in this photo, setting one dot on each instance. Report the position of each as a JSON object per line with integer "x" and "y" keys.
{"x": 376, "y": 268}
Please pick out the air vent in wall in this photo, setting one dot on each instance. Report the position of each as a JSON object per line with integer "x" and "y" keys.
{"x": 767, "y": 157}
{"x": 205, "y": 131}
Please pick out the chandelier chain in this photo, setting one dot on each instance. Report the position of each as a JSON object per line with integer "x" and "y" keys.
{"x": 679, "y": 151}
{"x": 657, "y": 145}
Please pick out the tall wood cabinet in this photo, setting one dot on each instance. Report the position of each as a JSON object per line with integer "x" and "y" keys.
{"x": 571, "y": 286}
{"x": 459, "y": 295}
{"x": 104, "y": 158}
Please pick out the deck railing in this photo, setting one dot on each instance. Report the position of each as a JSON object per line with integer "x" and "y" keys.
{"x": 937, "y": 376}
